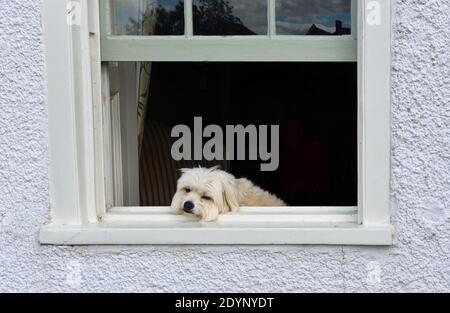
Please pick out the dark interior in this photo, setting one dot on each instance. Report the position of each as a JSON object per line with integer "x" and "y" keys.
{"x": 315, "y": 105}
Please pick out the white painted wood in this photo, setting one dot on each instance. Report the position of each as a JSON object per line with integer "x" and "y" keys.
{"x": 355, "y": 17}
{"x": 73, "y": 87}
{"x": 247, "y": 210}
{"x": 112, "y": 137}
{"x": 72, "y": 187}
{"x": 84, "y": 114}
{"x": 361, "y": 130}
{"x": 104, "y": 15}
{"x": 64, "y": 189}
{"x": 374, "y": 120}
{"x": 106, "y": 124}
{"x": 256, "y": 218}
{"x": 94, "y": 43}
{"x": 230, "y": 48}
{"x": 117, "y": 161}
{"x": 128, "y": 92}
{"x": 208, "y": 234}
{"x": 232, "y": 219}
{"x": 188, "y": 19}
{"x": 223, "y": 48}
{"x": 271, "y": 18}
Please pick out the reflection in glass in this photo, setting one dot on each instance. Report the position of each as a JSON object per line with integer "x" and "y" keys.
{"x": 147, "y": 17}
{"x": 319, "y": 17}
{"x": 230, "y": 17}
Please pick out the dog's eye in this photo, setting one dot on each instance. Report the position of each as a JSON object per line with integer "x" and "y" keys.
{"x": 187, "y": 189}
{"x": 206, "y": 198}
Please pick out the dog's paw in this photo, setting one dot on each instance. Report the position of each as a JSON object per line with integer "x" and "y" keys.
{"x": 209, "y": 219}
{"x": 178, "y": 211}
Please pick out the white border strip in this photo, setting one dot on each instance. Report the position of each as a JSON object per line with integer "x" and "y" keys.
{"x": 103, "y": 234}
{"x": 228, "y": 49}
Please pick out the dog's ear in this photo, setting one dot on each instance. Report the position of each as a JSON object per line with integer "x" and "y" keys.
{"x": 230, "y": 193}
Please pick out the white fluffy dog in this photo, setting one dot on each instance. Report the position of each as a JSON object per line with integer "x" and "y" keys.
{"x": 206, "y": 193}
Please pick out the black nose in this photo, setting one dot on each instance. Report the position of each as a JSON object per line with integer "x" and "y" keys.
{"x": 188, "y": 206}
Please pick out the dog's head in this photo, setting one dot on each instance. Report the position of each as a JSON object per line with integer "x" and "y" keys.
{"x": 205, "y": 193}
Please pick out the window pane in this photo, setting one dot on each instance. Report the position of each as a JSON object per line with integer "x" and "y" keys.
{"x": 319, "y": 17}
{"x": 230, "y": 17}
{"x": 147, "y": 17}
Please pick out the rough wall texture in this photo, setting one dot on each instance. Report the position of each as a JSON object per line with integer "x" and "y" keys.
{"x": 420, "y": 188}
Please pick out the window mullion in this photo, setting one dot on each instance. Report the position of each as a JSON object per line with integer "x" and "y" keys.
{"x": 105, "y": 18}
{"x": 188, "y": 19}
{"x": 354, "y": 12}
{"x": 271, "y": 18}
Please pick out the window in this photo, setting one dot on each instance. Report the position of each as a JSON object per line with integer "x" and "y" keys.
{"x": 119, "y": 70}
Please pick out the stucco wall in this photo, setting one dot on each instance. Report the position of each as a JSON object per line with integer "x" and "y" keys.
{"x": 420, "y": 188}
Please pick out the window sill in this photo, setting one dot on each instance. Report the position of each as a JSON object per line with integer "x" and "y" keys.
{"x": 251, "y": 226}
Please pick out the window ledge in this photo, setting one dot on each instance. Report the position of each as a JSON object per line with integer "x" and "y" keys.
{"x": 249, "y": 227}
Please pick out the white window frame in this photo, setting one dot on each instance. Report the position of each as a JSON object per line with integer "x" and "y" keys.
{"x": 79, "y": 213}
{"x": 187, "y": 47}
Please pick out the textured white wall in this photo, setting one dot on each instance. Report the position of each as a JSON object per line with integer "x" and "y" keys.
{"x": 420, "y": 188}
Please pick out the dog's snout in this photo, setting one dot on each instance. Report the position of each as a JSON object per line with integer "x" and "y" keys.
{"x": 188, "y": 206}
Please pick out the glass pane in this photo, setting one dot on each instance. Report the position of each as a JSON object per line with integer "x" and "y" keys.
{"x": 147, "y": 17}
{"x": 230, "y": 17}
{"x": 319, "y": 17}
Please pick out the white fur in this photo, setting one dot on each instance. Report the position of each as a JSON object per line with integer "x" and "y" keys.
{"x": 215, "y": 192}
